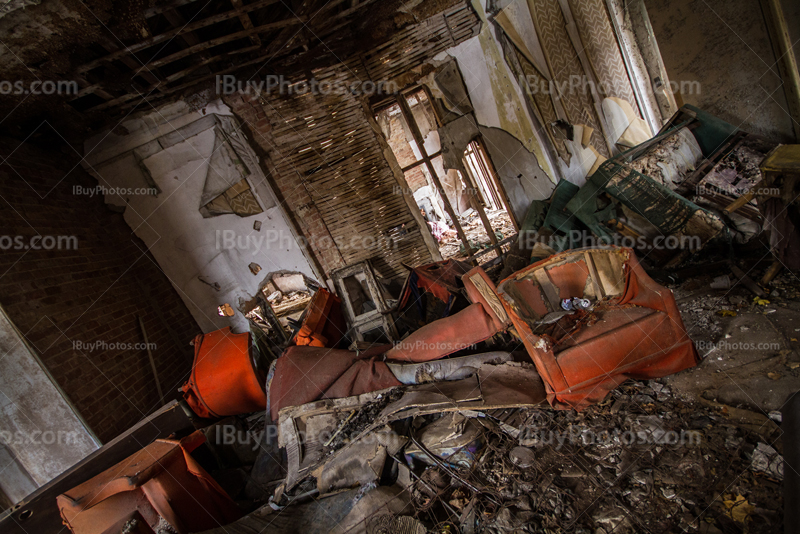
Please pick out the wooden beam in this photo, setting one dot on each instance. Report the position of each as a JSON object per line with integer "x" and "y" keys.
{"x": 214, "y": 19}
{"x": 288, "y": 35}
{"x": 90, "y": 89}
{"x": 225, "y": 39}
{"x": 163, "y": 8}
{"x": 124, "y": 101}
{"x": 787, "y": 62}
{"x": 244, "y": 18}
{"x": 133, "y": 63}
{"x": 177, "y": 21}
{"x": 272, "y": 51}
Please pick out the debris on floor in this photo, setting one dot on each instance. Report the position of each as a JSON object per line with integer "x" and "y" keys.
{"x": 452, "y": 248}
{"x": 619, "y": 365}
{"x": 643, "y": 460}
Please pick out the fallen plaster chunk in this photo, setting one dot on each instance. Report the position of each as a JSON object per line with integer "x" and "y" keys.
{"x": 766, "y": 460}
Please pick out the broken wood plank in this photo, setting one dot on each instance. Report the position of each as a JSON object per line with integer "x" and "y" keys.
{"x": 748, "y": 282}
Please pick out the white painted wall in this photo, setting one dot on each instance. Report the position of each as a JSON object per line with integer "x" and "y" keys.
{"x": 520, "y": 159}
{"x": 191, "y": 249}
{"x": 41, "y": 436}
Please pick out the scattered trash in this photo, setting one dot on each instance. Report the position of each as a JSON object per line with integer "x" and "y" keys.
{"x": 522, "y": 457}
{"x": 575, "y": 304}
{"x": 738, "y": 508}
{"x": 766, "y": 460}
{"x": 721, "y": 282}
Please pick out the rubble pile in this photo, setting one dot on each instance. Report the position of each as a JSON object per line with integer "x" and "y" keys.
{"x": 452, "y": 247}
{"x": 701, "y": 311}
{"x": 641, "y": 461}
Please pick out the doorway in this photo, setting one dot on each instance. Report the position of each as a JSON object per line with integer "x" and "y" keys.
{"x": 466, "y": 212}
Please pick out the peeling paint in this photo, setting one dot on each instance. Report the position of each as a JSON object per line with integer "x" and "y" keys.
{"x": 495, "y": 95}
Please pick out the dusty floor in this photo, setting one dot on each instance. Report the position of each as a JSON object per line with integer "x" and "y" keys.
{"x": 642, "y": 461}
{"x": 699, "y": 451}
{"x": 750, "y": 360}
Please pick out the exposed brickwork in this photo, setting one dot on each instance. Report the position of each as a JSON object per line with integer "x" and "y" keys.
{"x": 404, "y": 153}
{"x": 297, "y": 200}
{"x": 416, "y": 178}
{"x": 92, "y": 294}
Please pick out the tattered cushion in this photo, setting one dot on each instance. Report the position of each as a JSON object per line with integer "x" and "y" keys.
{"x": 634, "y": 330}
{"x": 304, "y": 374}
{"x": 445, "y": 336}
{"x": 478, "y": 322}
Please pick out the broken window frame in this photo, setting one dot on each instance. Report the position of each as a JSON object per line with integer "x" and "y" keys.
{"x": 426, "y": 160}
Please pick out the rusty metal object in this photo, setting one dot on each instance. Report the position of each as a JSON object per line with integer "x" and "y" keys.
{"x": 225, "y": 377}
{"x": 633, "y": 331}
{"x": 160, "y": 483}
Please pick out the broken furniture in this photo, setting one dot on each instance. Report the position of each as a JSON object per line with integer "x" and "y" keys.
{"x": 161, "y": 487}
{"x": 777, "y": 195}
{"x": 651, "y": 201}
{"x": 228, "y": 375}
{"x": 633, "y": 330}
{"x": 358, "y": 445}
{"x": 441, "y": 279}
{"x": 668, "y": 195}
{"x": 366, "y": 308}
{"x": 38, "y": 512}
{"x": 323, "y": 324}
{"x": 305, "y": 374}
{"x": 478, "y": 322}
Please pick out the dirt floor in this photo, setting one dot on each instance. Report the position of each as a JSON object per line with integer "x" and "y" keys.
{"x": 749, "y": 349}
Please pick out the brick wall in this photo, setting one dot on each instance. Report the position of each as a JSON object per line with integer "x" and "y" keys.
{"x": 403, "y": 152}
{"x": 66, "y": 300}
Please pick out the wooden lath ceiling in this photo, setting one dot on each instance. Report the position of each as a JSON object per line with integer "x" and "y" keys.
{"x": 191, "y": 41}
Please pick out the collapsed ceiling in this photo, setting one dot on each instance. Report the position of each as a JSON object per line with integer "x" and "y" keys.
{"x": 130, "y": 55}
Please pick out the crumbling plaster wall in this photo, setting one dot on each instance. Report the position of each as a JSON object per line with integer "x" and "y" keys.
{"x": 516, "y": 148}
{"x": 724, "y": 45}
{"x": 206, "y": 259}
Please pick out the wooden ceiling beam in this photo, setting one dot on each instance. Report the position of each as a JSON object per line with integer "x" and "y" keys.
{"x": 224, "y": 39}
{"x": 167, "y": 6}
{"x": 304, "y": 11}
{"x": 247, "y": 23}
{"x": 177, "y": 21}
{"x": 192, "y": 26}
